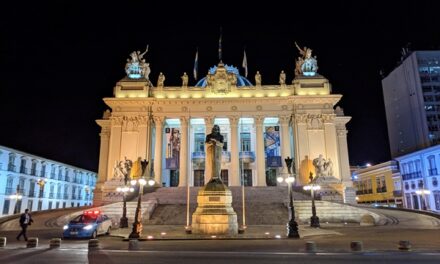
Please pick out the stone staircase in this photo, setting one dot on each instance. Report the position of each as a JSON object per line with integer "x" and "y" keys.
{"x": 263, "y": 205}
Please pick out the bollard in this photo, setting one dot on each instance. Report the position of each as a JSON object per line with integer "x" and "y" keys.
{"x": 404, "y": 245}
{"x": 93, "y": 244}
{"x": 133, "y": 244}
{"x": 32, "y": 242}
{"x": 55, "y": 243}
{"x": 310, "y": 246}
{"x": 356, "y": 245}
{"x": 2, "y": 242}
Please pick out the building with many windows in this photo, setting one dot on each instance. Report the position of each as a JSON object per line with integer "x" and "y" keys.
{"x": 420, "y": 178}
{"x": 261, "y": 124}
{"x": 36, "y": 183}
{"x": 412, "y": 103}
{"x": 379, "y": 184}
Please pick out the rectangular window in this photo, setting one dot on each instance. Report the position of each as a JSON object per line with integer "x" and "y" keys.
{"x": 199, "y": 142}
{"x": 245, "y": 141}
{"x": 6, "y": 207}
{"x": 40, "y": 205}
{"x": 225, "y": 141}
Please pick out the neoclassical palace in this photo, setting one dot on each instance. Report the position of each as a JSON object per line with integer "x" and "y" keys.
{"x": 262, "y": 125}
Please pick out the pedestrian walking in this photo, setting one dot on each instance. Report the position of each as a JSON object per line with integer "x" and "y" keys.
{"x": 25, "y": 221}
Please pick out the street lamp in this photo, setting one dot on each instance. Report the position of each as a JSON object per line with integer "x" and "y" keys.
{"x": 314, "y": 220}
{"x": 123, "y": 223}
{"x": 137, "y": 225}
{"x": 423, "y": 193}
{"x": 292, "y": 225}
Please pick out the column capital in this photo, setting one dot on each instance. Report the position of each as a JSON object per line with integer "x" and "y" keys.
{"x": 209, "y": 120}
{"x": 158, "y": 120}
{"x": 284, "y": 119}
{"x": 184, "y": 120}
{"x": 259, "y": 119}
{"x": 233, "y": 120}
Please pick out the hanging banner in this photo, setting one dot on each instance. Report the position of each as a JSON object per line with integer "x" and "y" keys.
{"x": 173, "y": 148}
{"x": 272, "y": 146}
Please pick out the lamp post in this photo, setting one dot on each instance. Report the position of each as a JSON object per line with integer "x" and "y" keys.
{"x": 292, "y": 225}
{"x": 137, "y": 225}
{"x": 123, "y": 222}
{"x": 423, "y": 193}
{"x": 314, "y": 220}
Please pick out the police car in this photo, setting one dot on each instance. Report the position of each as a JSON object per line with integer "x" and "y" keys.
{"x": 90, "y": 224}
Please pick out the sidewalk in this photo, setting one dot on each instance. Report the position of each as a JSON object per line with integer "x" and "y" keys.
{"x": 177, "y": 232}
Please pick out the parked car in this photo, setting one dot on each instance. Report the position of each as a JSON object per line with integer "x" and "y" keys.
{"x": 90, "y": 224}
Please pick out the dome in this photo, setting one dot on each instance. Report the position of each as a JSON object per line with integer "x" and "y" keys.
{"x": 241, "y": 81}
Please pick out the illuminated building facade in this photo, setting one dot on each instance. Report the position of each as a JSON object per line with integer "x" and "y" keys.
{"x": 420, "y": 177}
{"x": 261, "y": 124}
{"x": 35, "y": 183}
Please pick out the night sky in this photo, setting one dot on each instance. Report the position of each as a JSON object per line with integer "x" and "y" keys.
{"x": 59, "y": 60}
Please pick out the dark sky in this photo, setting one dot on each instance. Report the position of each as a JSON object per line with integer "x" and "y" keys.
{"x": 59, "y": 60}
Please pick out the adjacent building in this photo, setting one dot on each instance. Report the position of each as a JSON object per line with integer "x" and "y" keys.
{"x": 379, "y": 184}
{"x": 420, "y": 178}
{"x": 36, "y": 183}
{"x": 412, "y": 103}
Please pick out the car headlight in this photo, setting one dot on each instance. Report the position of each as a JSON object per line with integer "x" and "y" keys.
{"x": 88, "y": 227}
{"x": 65, "y": 227}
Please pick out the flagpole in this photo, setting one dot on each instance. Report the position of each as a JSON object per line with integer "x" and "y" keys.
{"x": 188, "y": 229}
{"x": 243, "y": 227}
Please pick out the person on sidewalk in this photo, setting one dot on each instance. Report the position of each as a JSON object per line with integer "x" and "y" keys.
{"x": 25, "y": 221}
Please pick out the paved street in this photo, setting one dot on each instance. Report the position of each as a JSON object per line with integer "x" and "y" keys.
{"x": 380, "y": 244}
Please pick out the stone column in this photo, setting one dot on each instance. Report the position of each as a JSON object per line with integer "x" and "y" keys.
{"x": 103, "y": 161}
{"x": 234, "y": 176}
{"x": 158, "y": 121}
{"x": 285, "y": 139}
{"x": 183, "y": 159}
{"x": 209, "y": 123}
{"x": 343, "y": 152}
{"x": 261, "y": 163}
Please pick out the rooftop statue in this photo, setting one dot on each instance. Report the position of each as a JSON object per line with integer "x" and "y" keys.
{"x": 305, "y": 65}
{"x": 136, "y": 67}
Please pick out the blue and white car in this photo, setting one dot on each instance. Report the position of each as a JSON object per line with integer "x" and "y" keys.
{"x": 90, "y": 224}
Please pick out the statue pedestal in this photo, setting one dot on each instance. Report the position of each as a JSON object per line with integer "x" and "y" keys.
{"x": 214, "y": 214}
{"x": 332, "y": 189}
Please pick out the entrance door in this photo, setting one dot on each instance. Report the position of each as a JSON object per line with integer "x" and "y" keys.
{"x": 199, "y": 177}
{"x": 174, "y": 178}
{"x": 247, "y": 177}
{"x": 17, "y": 208}
{"x": 225, "y": 177}
{"x": 271, "y": 177}
{"x": 416, "y": 202}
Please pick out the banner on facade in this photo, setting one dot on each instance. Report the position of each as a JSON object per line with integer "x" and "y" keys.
{"x": 173, "y": 142}
{"x": 172, "y": 163}
{"x": 272, "y": 141}
{"x": 273, "y": 162}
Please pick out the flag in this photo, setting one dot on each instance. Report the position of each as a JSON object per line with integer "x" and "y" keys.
{"x": 244, "y": 64}
{"x": 220, "y": 46}
{"x": 196, "y": 64}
